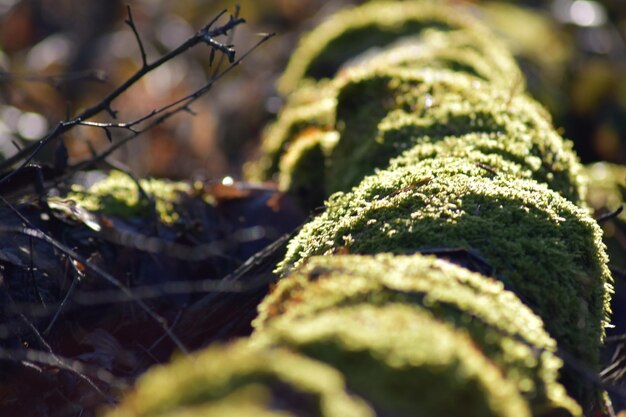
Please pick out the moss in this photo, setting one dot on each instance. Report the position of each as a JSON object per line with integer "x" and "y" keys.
{"x": 402, "y": 360}
{"x": 385, "y": 112}
{"x": 248, "y": 402}
{"x": 487, "y": 149}
{"x": 303, "y": 167}
{"x": 505, "y": 329}
{"x": 241, "y": 379}
{"x": 354, "y": 31}
{"x": 423, "y": 77}
{"x": 293, "y": 122}
{"x": 520, "y": 158}
{"x": 425, "y": 118}
{"x": 118, "y": 195}
{"x": 382, "y": 112}
{"x": 518, "y": 226}
{"x": 465, "y": 51}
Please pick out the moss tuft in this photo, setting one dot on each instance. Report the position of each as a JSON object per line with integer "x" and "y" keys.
{"x": 240, "y": 380}
{"x": 296, "y": 120}
{"x": 413, "y": 122}
{"x": 354, "y": 31}
{"x": 303, "y": 167}
{"x": 402, "y": 360}
{"x": 119, "y": 195}
{"x": 380, "y": 114}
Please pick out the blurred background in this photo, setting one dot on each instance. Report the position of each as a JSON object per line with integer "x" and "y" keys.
{"x": 60, "y": 56}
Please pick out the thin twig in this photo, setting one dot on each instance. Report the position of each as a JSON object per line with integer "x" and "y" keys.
{"x": 255, "y": 262}
{"x": 616, "y": 338}
{"x": 131, "y": 22}
{"x": 162, "y": 337}
{"x": 200, "y": 252}
{"x": 57, "y": 361}
{"x": 38, "y": 234}
{"x": 181, "y": 104}
{"x": 55, "y": 79}
{"x": 78, "y": 275}
{"x": 27, "y": 357}
{"x": 229, "y": 40}
{"x": 31, "y": 273}
{"x": 610, "y": 215}
{"x": 100, "y": 272}
{"x": 213, "y": 286}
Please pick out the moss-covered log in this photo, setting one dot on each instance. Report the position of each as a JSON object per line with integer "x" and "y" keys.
{"x": 403, "y": 361}
{"x": 505, "y": 329}
{"x": 518, "y": 226}
{"x": 412, "y": 123}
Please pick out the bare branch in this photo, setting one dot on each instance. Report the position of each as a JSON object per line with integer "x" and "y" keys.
{"x": 38, "y": 234}
{"x": 164, "y": 112}
{"x": 55, "y": 360}
{"x": 205, "y": 35}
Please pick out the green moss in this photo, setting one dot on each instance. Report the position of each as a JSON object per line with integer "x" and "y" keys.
{"x": 402, "y": 360}
{"x": 488, "y": 149}
{"x": 518, "y": 226}
{"x": 294, "y": 121}
{"x": 505, "y": 329}
{"x": 251, "y": 401}
{"x": 118, "y": 195}
{"x": 383, "y": 113}
{"x": 354, "y": 31}
{"x": 520, "y": 158}
{"x": 241, "y": 379}
{"x": 429, "y": 75}
{"x": 465, "y": 51}
{"x": 303, "y": 167}
{"x": 461, "y": 164}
